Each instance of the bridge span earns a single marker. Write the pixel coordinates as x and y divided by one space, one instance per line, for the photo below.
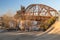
36 12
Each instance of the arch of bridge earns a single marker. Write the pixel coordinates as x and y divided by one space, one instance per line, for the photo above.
40 10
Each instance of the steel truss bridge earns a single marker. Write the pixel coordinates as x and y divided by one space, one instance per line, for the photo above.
37 12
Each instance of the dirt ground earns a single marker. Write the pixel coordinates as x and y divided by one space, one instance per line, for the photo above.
18 35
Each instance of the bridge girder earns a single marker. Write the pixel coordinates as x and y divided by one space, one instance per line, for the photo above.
40 10
37 12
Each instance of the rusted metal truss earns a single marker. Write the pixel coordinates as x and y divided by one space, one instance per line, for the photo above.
40 10
37 12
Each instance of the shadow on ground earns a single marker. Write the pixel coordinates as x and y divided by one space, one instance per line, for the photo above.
49 37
